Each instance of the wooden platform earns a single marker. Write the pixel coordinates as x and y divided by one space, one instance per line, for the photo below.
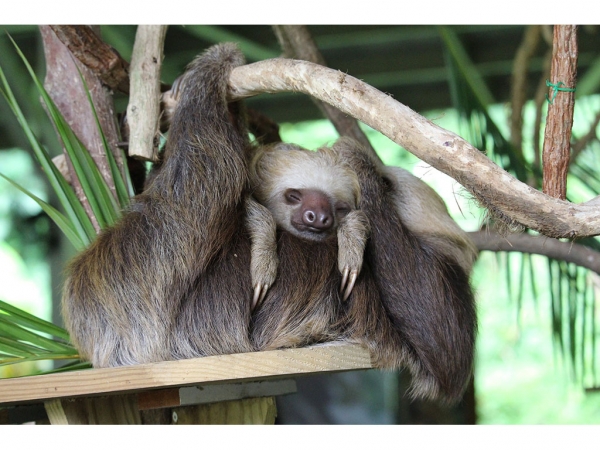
230 383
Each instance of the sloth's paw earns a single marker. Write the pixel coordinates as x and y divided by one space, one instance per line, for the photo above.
349 277
352 237
264 271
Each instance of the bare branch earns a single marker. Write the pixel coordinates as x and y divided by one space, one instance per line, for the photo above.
506 197
143 109
519 84
539 99
264 129
540 245
297 43
557 138
593 202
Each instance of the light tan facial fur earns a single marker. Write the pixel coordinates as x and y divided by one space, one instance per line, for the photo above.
278 168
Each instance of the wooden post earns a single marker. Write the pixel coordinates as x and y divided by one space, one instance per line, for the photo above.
250 411
112 410
557 137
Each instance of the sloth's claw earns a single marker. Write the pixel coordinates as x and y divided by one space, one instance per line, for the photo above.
256 297
348 281
352 234
260 291
344 278
264 293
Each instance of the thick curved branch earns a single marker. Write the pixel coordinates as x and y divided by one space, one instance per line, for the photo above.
539 245
297 42
505 196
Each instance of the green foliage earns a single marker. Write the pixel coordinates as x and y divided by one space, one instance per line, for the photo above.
472 99
24 337
21 334
521 376
571 294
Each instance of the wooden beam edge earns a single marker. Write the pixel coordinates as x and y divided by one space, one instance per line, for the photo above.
331 357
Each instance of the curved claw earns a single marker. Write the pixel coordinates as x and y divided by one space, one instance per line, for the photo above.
260 292
348 281
344 278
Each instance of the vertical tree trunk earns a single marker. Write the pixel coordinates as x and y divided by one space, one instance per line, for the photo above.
561 98
64 85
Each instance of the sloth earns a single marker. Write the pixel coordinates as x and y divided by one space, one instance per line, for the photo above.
234 247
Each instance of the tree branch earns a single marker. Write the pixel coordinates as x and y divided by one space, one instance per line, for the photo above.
505 196
296 42
519 84
539 99
539 245
264 129
143 109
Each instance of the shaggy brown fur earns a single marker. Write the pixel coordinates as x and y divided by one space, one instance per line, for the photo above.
172 279
335 246
411 305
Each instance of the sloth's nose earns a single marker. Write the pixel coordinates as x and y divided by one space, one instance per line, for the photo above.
315 211
317 218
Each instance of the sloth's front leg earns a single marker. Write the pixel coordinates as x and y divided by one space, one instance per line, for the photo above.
352 237
263 254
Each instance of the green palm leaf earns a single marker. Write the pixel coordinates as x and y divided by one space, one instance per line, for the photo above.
24 337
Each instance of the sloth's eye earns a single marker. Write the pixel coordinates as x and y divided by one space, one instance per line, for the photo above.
342 209
292 196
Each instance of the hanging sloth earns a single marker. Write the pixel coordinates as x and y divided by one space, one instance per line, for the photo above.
234 247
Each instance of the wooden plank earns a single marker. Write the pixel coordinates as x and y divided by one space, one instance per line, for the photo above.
224 368
199 395
213 393
159 398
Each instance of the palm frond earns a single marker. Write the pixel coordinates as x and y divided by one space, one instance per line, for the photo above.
24 337
66 196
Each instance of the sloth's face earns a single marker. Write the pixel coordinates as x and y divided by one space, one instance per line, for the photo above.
307 192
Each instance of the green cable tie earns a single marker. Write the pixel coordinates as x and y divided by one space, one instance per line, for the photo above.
557 87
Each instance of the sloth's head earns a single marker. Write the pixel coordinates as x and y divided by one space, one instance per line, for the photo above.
307 192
